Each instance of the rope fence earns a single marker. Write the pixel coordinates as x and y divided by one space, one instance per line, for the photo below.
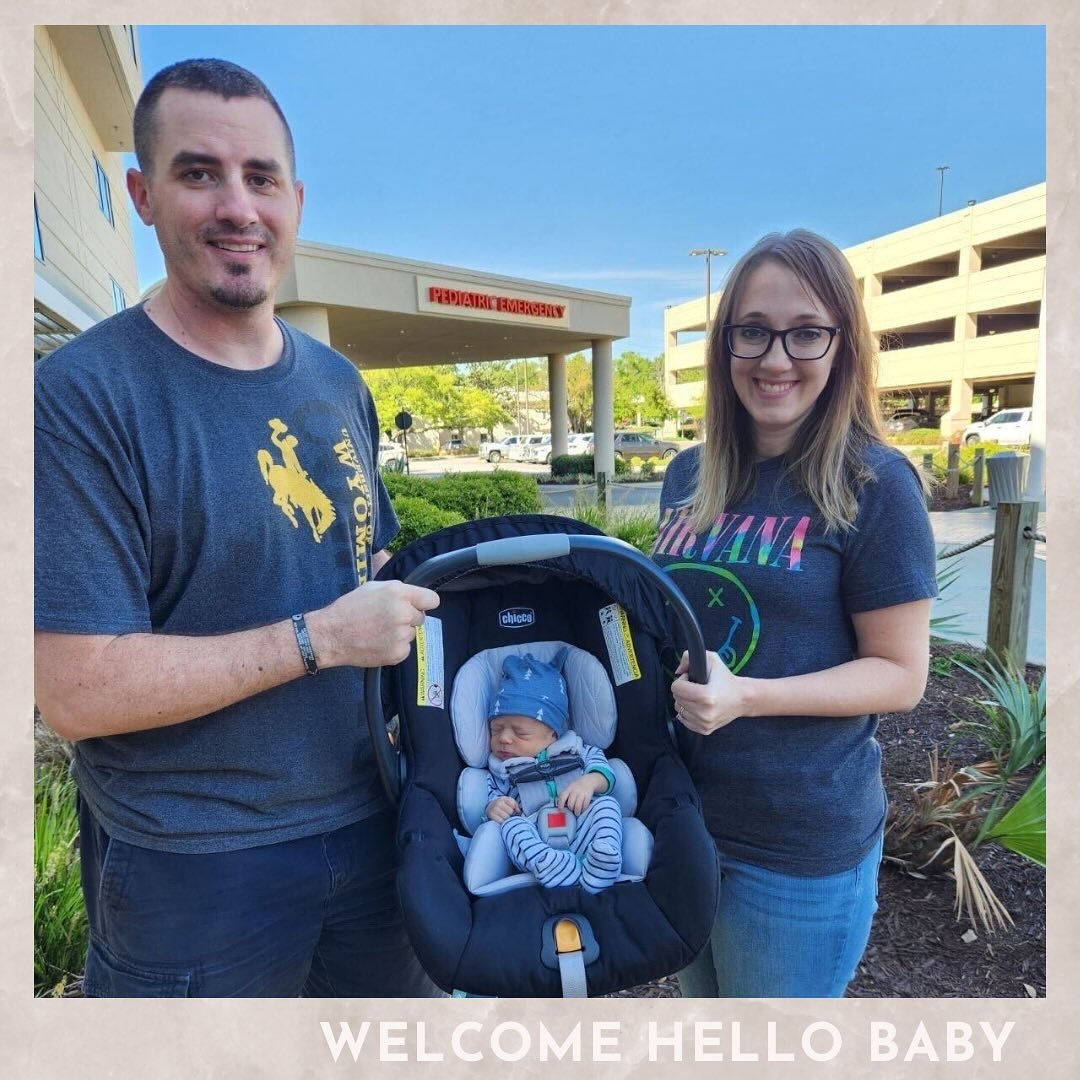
1029 534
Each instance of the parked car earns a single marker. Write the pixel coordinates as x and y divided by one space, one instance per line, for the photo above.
629 444
502 448
580 443
908 420
512 448
1011 427
539 452
529 447
391 455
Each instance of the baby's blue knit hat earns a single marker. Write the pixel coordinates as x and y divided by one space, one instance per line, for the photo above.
532 688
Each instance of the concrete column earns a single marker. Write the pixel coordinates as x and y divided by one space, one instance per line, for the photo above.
557 402
313 319
959 415
603 381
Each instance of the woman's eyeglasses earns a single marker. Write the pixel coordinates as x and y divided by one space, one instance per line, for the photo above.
749 342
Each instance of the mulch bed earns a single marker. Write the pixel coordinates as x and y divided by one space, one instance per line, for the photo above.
917 947
940 501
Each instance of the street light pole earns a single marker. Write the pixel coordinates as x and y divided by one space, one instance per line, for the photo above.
708 253
941 188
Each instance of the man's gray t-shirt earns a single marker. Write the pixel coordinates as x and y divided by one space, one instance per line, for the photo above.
775 593
178 496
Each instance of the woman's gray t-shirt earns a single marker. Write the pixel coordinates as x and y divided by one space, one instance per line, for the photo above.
775 593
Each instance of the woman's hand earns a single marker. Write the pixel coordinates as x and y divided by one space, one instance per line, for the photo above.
502 808
704 707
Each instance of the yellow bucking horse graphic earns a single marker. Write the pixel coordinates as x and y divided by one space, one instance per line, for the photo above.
292 487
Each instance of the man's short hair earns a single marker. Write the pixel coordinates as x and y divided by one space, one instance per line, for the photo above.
221 77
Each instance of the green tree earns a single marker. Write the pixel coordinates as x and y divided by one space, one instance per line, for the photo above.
437 397
579 392
639 390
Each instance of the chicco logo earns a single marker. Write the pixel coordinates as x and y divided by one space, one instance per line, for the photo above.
516 617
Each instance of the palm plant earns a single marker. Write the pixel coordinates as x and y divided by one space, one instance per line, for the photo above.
947 573
955 811
1014 724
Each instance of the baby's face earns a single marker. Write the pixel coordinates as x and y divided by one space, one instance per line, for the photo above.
519 736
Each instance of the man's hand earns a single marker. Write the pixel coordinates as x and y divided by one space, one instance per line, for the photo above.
372 626
579 794
502 808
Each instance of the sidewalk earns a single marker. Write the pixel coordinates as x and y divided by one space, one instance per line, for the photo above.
968 597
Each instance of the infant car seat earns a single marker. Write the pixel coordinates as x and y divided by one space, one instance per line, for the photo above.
517 583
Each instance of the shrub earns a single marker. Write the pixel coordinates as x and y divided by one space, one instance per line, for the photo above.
60 927
418 518
469 495
916 437
398 484
967 461
479 495
634 525
572 465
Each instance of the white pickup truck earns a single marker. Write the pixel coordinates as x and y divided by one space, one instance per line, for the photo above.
512 448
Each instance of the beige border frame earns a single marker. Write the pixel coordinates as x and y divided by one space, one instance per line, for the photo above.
91 1039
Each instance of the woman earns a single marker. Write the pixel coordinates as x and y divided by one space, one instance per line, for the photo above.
803 543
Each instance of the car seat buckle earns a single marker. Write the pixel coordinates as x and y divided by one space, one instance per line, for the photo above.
567 937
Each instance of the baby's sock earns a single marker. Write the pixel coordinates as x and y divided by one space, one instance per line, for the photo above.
603 861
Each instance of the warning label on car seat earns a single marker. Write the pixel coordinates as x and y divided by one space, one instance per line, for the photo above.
620 645
430 684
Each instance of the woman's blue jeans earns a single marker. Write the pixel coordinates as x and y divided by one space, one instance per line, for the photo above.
777 935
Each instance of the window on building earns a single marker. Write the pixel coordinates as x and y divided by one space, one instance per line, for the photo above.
934 332
1006 320
39 251
920 273
118 297
689 375
104 193
1010 249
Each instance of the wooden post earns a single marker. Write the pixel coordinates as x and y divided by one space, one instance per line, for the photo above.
601 490
928 467
1010 582
977 479
952 480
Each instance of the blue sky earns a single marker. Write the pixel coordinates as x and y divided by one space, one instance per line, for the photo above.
597 157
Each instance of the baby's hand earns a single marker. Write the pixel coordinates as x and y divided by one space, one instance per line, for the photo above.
502 808
578 795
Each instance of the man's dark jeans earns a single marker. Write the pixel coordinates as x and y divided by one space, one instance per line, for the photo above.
316 917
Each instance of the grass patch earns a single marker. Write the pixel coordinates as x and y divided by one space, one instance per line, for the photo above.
60 926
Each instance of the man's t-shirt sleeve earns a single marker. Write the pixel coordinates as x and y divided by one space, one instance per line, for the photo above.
91 562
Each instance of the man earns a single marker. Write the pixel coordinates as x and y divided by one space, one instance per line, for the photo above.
208 516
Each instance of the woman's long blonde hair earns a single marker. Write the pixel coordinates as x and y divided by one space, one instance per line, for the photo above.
826 455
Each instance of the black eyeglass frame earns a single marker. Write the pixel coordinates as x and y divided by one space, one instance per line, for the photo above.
833 331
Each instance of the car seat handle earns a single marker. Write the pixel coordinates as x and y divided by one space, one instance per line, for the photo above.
522 549
514 551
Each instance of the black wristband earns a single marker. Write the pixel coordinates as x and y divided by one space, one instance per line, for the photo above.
304 641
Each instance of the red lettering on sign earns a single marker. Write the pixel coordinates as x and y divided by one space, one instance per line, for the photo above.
488 302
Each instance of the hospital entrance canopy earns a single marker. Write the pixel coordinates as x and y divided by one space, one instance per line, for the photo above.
382 311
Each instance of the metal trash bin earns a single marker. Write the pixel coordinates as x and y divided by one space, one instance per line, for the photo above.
1008 474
